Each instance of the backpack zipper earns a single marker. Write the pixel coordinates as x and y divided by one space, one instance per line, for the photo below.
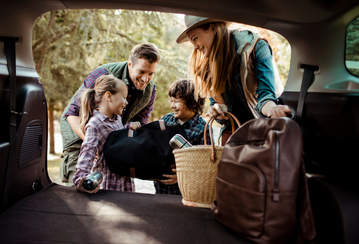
245 142
276 174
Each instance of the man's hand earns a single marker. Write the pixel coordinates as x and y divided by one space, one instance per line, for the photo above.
80 188
172 179
135 125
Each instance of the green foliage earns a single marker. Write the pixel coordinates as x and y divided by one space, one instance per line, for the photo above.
68 44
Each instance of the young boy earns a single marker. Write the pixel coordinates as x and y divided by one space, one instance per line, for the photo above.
186 111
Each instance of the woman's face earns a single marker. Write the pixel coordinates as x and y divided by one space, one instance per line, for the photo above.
202 39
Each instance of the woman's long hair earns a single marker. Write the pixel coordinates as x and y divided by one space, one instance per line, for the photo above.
91 98
211 74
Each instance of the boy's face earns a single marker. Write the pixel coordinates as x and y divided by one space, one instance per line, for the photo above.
180 110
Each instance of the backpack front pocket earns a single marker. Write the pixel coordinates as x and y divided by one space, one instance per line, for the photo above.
241 198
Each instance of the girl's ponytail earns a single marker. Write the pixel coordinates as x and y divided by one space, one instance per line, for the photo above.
86 108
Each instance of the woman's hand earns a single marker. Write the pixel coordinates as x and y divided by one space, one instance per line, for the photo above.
272 110
135 125
172 179
80 188
217 111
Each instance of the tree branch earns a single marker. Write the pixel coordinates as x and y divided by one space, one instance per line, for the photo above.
43 48
59 34
124 36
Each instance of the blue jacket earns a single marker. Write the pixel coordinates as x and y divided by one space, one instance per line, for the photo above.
264 78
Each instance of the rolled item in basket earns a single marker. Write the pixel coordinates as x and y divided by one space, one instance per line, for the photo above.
178 142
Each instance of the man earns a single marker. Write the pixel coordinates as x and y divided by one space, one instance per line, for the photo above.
137 73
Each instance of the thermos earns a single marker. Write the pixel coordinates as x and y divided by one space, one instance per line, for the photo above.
92 180
178 142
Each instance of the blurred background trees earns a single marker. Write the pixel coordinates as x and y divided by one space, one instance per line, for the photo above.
352 47
69 44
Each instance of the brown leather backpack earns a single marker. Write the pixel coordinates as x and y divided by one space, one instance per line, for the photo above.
262 191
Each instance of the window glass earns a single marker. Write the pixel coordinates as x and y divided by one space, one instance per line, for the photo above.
352 47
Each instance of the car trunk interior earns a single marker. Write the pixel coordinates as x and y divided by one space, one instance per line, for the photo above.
35 210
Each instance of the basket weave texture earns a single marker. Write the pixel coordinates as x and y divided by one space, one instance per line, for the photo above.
197 170
196 174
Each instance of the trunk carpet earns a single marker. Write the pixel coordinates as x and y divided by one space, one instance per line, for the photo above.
60 214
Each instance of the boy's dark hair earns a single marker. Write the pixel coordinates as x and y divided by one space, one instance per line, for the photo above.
184 89
148 51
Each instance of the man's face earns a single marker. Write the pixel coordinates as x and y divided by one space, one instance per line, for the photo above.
141 73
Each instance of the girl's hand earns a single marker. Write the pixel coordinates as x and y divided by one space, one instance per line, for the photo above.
218 109
135 125
172 179
80 188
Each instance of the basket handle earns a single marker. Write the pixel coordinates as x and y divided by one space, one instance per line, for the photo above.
210 122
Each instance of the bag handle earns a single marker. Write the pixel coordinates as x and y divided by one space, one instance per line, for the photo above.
160 122
210 122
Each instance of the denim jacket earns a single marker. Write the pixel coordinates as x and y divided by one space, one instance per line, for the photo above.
257 75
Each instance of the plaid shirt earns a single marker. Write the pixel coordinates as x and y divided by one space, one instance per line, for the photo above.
143 116
194 130
96 132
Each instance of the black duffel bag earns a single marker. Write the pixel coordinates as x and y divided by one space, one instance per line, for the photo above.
144 153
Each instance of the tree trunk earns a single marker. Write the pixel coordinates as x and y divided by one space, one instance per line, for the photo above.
51 127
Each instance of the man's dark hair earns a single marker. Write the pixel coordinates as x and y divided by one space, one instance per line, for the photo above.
146 51
184 89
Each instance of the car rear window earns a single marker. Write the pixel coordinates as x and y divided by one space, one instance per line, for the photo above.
352 47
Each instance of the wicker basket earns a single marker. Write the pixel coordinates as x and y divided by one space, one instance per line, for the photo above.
197 170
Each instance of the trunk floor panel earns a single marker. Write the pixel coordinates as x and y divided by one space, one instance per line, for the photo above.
60 214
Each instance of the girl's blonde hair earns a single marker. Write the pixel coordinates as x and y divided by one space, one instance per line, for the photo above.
91 98
211 74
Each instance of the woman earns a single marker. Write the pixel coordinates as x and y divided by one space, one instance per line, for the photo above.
235 68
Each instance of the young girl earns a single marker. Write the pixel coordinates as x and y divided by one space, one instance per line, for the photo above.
99 115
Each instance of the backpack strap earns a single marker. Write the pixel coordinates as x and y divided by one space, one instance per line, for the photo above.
306 218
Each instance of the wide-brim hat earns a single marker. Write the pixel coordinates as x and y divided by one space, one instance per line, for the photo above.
192 22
